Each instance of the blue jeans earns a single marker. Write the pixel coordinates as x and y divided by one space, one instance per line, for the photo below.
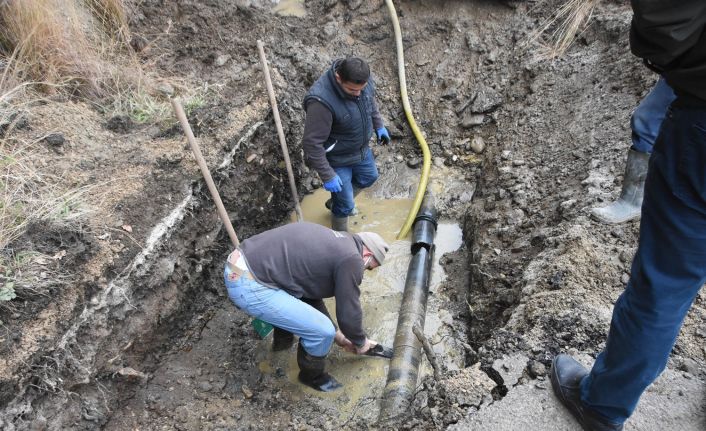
648 116
667 273
360 175
280 309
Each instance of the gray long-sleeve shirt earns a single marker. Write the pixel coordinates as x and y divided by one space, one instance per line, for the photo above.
316 130
308 260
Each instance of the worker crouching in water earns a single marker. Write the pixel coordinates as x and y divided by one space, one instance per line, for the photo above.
281 276
341 116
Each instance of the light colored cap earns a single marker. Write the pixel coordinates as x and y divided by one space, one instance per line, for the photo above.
376 244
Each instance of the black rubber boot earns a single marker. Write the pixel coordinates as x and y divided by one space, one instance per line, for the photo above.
566 375
312 374
339 223
281 339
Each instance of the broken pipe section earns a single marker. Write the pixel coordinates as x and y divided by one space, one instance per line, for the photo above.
404 366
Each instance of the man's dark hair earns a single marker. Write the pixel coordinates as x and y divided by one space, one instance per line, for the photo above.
354 69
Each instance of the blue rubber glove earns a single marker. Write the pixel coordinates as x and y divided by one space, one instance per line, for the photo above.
334 185
383 136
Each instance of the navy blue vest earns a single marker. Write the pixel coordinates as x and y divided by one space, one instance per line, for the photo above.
352 125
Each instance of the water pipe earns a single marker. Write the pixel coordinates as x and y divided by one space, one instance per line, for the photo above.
404 365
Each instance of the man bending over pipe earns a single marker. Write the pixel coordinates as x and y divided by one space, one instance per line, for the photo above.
341 115
281 276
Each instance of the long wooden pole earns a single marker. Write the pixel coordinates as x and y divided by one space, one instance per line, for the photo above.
280 132
204 170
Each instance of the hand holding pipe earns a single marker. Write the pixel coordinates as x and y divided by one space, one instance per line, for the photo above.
205 172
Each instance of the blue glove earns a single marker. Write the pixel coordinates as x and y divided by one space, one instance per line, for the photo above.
383 136
334 185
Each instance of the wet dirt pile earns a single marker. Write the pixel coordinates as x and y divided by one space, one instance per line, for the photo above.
522 147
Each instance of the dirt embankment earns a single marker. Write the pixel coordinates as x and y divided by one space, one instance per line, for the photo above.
144 337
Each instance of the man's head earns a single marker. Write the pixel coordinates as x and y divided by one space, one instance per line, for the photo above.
376 247
352 74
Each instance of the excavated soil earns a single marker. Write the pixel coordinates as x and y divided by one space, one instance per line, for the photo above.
143 337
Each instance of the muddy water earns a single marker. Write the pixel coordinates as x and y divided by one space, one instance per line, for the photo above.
381 294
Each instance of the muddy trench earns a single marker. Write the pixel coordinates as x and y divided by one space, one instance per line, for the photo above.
517 160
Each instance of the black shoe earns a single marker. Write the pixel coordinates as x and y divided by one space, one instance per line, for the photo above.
566 375
281 339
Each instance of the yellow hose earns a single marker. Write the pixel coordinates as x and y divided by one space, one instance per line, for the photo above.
412 124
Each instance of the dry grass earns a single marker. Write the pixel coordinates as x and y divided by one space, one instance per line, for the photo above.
570 20
66 43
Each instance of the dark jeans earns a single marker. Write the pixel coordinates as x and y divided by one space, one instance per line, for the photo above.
361 175
667 273
648 116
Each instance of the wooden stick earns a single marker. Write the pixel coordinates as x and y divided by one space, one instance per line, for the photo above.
204 170
429 351
280 132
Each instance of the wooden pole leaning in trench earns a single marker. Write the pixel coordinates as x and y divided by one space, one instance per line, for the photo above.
205 172
280 132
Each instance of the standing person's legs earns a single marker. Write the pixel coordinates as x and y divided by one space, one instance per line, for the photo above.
645 123
668 270
649 115
342 202
365 173
354 177
280 309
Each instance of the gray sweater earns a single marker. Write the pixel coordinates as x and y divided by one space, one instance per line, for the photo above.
311 261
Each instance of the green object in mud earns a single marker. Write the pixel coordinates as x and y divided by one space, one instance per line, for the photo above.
262 328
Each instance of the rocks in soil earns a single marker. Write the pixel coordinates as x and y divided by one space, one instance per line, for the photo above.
120 124
414 162
471 120
536 369
166 89
13 120
486 99
477 144
511 368
55 140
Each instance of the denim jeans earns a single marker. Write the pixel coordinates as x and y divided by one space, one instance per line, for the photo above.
667 272
360 175
648 116
280 309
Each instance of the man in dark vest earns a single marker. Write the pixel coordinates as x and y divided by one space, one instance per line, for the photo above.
341 115
669 267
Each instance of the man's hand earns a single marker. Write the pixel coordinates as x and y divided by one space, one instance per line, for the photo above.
369 344
343 342
383 136
334 185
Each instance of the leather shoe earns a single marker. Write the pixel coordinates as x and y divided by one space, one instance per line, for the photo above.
566 375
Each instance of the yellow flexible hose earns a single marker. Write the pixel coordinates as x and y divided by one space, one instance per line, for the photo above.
421 189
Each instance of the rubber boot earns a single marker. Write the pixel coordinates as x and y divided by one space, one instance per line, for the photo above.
629 204
339 223
281 339
356 192
312 374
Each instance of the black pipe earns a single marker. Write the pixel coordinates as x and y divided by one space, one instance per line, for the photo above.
404 365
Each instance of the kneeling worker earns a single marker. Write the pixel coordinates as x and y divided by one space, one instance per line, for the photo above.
281 277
